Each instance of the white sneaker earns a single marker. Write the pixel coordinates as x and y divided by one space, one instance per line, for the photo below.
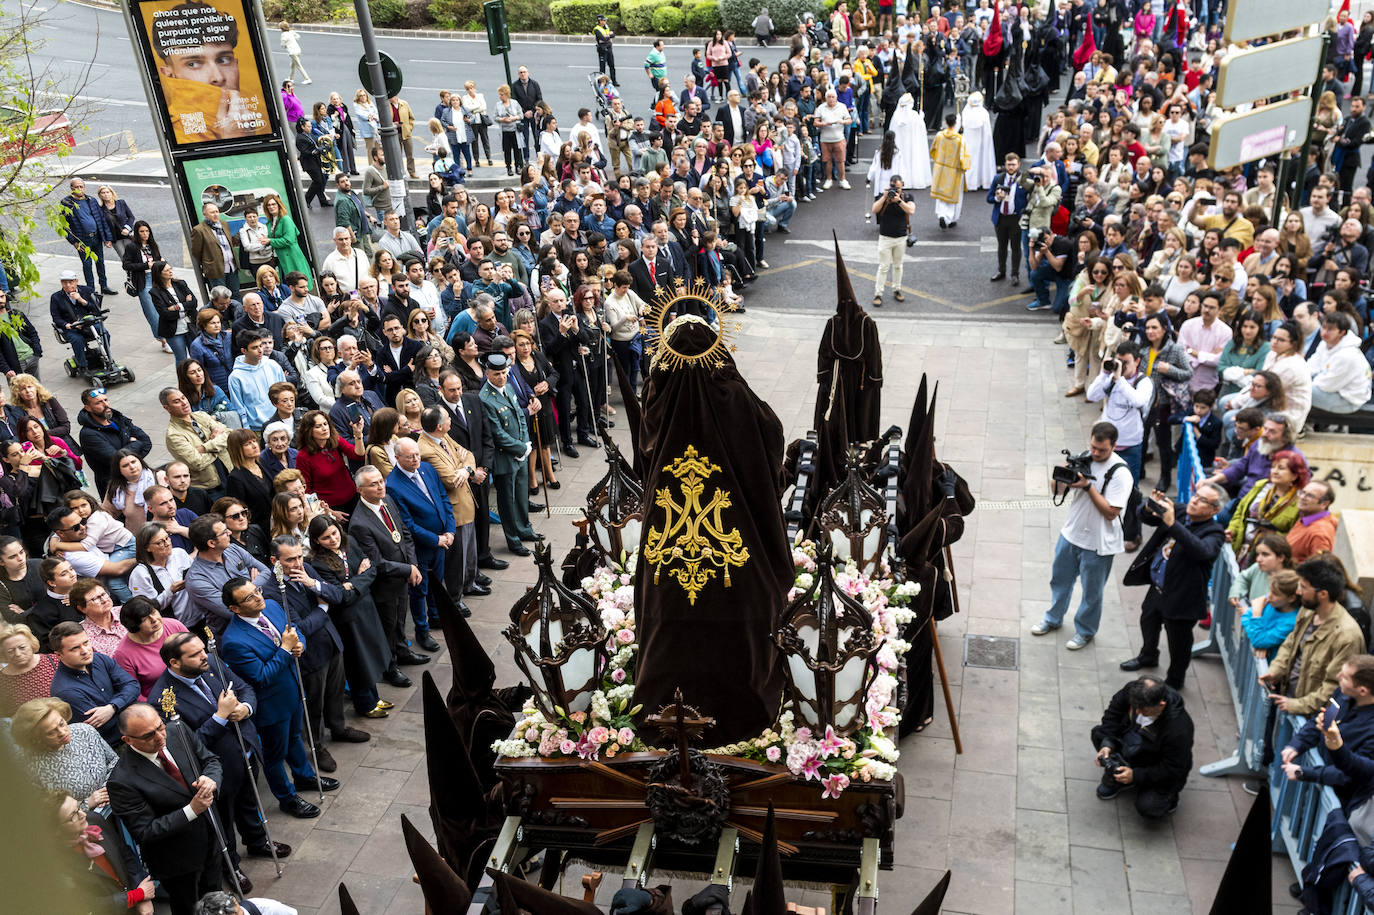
306 82
810 196
844 184
829 183
1077 642
763 264
1042 627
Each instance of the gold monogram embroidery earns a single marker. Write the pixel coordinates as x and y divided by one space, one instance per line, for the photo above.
693 544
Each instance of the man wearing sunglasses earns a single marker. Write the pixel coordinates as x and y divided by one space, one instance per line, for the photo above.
1176 564
89 561
104 430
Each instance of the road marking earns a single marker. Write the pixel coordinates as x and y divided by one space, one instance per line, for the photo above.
430 60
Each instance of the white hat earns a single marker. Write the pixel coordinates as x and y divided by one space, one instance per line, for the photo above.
67 275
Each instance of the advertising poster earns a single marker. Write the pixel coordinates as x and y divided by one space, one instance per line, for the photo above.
206 69
234 182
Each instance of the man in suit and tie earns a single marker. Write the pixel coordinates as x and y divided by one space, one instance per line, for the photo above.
378 526
162 789
396 358
428 514
468 427
354 403
296 586
212 701
260 645
1008 199
510 433
680 262
650 271
456 467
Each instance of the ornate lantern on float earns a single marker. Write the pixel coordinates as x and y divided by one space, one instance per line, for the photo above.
829 653
615 510
853 520
560 644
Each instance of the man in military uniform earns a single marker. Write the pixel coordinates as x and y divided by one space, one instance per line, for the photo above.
511 435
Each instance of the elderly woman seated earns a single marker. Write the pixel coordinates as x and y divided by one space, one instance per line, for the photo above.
61 756
108 875
28 670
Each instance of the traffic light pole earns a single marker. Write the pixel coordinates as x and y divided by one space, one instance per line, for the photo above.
390 130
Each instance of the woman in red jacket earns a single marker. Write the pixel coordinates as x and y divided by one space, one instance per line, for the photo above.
324 458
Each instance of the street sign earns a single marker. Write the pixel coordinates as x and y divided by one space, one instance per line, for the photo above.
1263 132
498 33
391 74
1273 69
1246 19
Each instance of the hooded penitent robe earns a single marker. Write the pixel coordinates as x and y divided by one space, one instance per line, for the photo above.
714 564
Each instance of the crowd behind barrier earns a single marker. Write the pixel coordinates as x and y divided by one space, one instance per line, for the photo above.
1300 807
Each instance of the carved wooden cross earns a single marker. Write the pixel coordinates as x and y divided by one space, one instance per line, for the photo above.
680 722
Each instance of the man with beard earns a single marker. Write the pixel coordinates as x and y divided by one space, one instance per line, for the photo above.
1239 475
1305 672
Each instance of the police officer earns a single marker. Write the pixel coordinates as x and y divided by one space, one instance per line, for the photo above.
605 54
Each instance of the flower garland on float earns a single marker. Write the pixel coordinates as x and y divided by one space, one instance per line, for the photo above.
835 762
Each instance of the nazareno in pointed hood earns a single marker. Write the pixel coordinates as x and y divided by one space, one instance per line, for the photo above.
445 892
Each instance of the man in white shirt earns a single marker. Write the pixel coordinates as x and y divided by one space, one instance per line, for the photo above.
301 304
1128 393
1317 217
425 295
396 241
1340 374
346 263
1090 537
585 126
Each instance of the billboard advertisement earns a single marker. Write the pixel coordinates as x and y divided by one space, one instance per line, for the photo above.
206 66
236 181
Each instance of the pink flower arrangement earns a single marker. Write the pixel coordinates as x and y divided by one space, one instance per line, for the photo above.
835 785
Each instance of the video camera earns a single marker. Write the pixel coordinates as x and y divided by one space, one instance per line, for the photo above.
1074 466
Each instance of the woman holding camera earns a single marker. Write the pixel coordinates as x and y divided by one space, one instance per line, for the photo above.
1086 321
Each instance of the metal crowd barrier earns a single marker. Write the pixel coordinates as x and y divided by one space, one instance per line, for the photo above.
1300 808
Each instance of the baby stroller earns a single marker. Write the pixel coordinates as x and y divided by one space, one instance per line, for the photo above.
101 369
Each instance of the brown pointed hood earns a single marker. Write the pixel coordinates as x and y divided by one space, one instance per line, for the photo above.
767 893
917 497
346 904
1247 884
934 899
849 363
460 810
445 892
516 895
633 417
477 711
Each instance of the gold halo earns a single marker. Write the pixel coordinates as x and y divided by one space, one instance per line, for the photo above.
666 309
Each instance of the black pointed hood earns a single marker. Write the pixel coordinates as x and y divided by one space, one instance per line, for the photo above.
1247 884
346 904
767 892
934 899
445 892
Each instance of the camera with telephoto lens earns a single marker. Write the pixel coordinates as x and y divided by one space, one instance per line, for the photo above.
1114 762
1074 466
1109 365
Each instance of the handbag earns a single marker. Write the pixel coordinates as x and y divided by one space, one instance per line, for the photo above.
130 289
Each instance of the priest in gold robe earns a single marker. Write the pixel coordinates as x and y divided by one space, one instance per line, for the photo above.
951 160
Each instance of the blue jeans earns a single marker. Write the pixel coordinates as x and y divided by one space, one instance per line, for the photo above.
780 214
1040 279
1073 563
464 150
93 263
181 347
145 301
1131 455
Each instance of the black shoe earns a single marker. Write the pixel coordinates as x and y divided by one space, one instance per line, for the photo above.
491 562
587 441
1015 281
108 292
245 885
534 538
943 224
998 278
299 807
536 507
554 485
534 490
1295 890
953 224
1163 485
408 658
1137 663
482 580
476 590
569 450
350 735
435 622
464 610
318 783
324 759
1106 793
396 678
426 641
519 549
263 851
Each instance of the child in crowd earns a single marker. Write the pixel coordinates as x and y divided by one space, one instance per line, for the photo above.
1208 426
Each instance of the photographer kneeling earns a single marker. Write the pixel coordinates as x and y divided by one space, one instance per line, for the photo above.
893 209
1145 742
1091 534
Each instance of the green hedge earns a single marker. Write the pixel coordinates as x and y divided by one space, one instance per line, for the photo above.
448 14
387 12
667 20
578 17
529 16
703 18
638 15
739 14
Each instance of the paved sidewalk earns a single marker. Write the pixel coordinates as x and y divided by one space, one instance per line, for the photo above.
1015 816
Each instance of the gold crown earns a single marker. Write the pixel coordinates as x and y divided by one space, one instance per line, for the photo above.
683 302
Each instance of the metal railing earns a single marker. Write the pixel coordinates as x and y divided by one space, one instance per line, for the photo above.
1300 808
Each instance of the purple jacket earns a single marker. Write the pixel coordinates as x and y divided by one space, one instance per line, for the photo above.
294 111
1251 466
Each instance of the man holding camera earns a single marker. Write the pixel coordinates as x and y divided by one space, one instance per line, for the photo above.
1091 534
1176 564
1128 393
1145 741
893 209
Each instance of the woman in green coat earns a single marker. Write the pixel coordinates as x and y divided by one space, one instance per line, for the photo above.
1270 505
284 238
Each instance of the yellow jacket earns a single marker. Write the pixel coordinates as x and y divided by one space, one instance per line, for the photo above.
199 452
447 459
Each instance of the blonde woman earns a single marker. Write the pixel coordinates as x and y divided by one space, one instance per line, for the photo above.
1086 321
1126 289
365 116
439 147
479 120
508 115
29 398
1166 259
1327 123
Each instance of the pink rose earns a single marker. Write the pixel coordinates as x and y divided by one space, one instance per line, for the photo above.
567 747
626 736
625 636
618 675
773 754
599 735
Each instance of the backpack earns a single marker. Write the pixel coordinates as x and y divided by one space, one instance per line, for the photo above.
1130 515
